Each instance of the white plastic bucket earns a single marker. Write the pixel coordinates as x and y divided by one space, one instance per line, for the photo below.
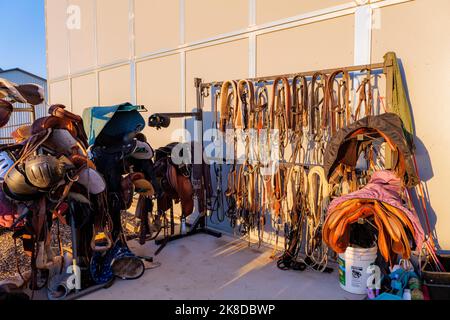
353 266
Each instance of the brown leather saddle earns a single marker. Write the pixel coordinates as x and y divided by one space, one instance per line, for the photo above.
174 180
6 109
61 119
175 185
25 93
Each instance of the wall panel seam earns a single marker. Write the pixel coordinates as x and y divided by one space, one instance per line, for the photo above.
183 90
307 18
69 60
132 51
182 21
46 51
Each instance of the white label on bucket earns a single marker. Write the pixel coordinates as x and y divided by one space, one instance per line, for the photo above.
357 273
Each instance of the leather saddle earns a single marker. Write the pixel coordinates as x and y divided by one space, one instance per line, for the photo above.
61 119
6 109
174 180
166 152
25 93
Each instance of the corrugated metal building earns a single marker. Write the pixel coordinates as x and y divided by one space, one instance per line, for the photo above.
18 119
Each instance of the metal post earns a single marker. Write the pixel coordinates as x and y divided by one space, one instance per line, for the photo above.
388 70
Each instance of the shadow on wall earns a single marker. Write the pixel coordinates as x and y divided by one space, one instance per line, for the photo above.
424 166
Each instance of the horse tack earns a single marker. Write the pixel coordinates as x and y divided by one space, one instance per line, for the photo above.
365 97
338 107
52 170
318 201
32 94
280 109
174 184
263 182
229 112
280 121
6 109
246 177
317 107
59 111
246 109
299 111
304 110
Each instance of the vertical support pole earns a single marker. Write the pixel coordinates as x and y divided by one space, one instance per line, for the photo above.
363 34
198 155
389 72
33 114
252 39
390 156
132 51
182 40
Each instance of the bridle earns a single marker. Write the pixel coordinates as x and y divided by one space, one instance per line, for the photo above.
338 114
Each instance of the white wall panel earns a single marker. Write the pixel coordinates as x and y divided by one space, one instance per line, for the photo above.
82 41
112 31
60 93
206 18
156 25
114 86
57 40
159 89
84 92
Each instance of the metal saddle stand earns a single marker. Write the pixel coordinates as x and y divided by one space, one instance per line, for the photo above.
200 225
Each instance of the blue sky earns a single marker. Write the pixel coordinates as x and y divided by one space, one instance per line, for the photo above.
23 35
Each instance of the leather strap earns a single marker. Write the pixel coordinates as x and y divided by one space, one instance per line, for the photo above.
317 105
365 96
338 104
318 200
245 115
280 107
299 102
229 103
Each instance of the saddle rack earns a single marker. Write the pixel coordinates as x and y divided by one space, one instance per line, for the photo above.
200 225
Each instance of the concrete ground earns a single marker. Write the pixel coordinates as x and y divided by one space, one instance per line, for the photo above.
203 267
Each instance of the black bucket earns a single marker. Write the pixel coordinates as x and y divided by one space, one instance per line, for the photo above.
438 283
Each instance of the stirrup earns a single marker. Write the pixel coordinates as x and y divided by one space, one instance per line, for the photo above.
101 242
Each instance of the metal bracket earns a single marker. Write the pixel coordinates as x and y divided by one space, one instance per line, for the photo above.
198 115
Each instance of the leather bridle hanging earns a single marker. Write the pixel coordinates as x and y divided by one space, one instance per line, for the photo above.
280 109
228 111
338 107
306 111
229 102
318 200
318 111
246 178
317 106
365 96
299 118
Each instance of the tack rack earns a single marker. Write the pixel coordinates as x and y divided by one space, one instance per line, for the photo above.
200 226
202 91
205 89
386 67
